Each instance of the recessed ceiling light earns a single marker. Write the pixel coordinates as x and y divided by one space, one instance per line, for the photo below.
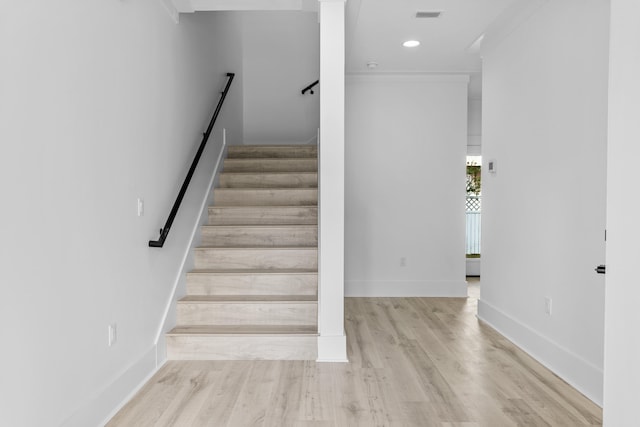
411 43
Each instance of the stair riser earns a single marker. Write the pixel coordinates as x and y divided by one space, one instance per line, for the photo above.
265 197
252 284
270 165
247 236
249 313
242 348
290 151
235 180
214 258
263 215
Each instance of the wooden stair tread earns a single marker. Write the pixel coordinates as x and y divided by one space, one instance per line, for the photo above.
283 207
263 179
305 157
274 160
245 330
260 226
265 196
270 159
268 146
267 190
268 248
272 151
263 189
256 258
252 214
241 299
255 246
284 248
263 173
299 164
255 271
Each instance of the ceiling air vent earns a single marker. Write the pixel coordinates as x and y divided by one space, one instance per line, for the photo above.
432 14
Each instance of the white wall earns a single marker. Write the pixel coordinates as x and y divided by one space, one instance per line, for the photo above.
474 115
543 219
101 103
281 57
622 345
406 140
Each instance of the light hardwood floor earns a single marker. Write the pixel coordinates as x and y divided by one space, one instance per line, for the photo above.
413 362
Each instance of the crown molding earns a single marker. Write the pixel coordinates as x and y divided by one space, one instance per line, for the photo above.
191 6
409 77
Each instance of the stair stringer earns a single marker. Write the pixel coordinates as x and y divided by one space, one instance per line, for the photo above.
186 264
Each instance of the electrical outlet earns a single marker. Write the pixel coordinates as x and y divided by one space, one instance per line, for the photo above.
403 262
140 206
547 306
113 334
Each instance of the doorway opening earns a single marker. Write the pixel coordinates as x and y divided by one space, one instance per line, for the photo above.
473 212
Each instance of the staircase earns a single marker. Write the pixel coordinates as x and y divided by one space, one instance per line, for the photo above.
254 291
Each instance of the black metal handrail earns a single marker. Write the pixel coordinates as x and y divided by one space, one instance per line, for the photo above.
310 87
164 232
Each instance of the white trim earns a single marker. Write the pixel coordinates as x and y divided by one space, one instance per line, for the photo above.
100 408
172 10
406 288
579 373
248 5
183 264
408 77
332 349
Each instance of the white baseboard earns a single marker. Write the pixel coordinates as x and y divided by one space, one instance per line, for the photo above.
98 410
405 288
332 348
579 373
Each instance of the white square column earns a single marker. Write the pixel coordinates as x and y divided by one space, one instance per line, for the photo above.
332 341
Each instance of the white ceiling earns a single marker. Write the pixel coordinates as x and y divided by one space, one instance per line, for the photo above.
377 28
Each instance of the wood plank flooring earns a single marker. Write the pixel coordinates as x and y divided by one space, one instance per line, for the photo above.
413 362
